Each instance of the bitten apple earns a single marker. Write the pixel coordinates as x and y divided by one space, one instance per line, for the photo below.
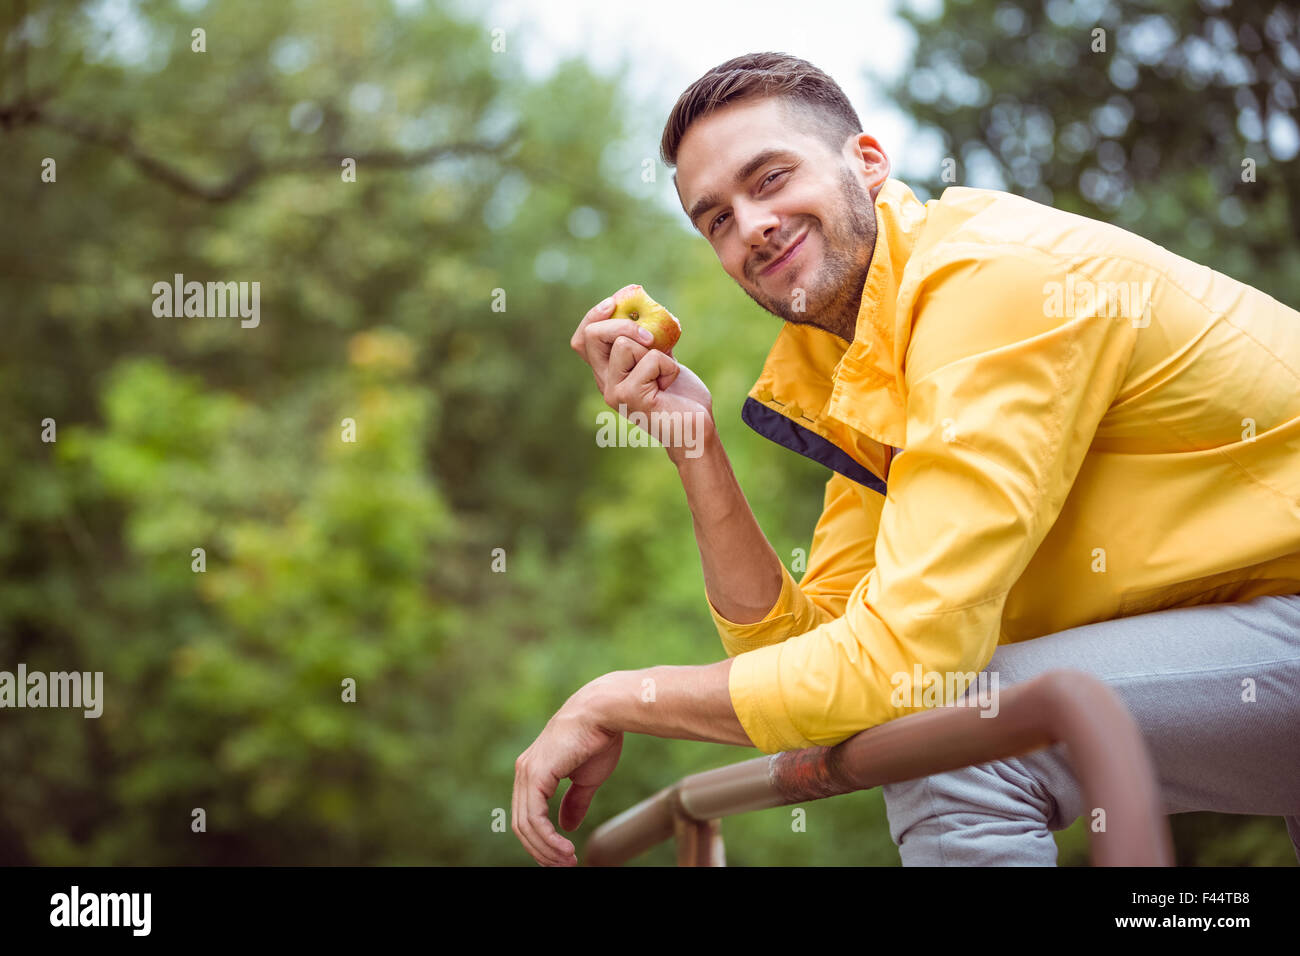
634 304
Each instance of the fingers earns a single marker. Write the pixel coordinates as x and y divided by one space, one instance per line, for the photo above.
596 333
598 342
602 310
519 816
559 850
666 379
644 377
634 373
623 357
596 314
531 822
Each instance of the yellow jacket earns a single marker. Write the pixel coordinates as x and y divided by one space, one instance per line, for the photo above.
1043 421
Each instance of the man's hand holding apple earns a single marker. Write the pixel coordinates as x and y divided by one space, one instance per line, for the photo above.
634 376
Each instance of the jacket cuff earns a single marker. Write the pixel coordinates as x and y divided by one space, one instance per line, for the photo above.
774 627
755 688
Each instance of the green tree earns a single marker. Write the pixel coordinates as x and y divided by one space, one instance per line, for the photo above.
431 302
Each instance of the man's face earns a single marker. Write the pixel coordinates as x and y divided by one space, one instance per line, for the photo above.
757 185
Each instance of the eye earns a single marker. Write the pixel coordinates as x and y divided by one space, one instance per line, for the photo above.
780 172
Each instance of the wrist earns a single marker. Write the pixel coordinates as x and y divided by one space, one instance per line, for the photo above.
598 700
698 442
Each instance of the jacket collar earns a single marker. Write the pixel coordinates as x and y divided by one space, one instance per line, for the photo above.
843 404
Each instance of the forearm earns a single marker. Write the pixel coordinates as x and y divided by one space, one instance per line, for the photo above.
678 702
742 573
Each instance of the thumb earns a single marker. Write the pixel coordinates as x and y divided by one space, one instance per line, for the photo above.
574 806
586 781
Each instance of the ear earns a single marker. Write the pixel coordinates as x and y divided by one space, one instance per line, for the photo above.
867 156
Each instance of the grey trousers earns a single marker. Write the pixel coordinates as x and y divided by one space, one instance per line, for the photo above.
1183 674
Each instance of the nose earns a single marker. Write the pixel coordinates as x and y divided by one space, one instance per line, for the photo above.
756 223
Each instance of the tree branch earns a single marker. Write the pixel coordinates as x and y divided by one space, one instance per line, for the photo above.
28 113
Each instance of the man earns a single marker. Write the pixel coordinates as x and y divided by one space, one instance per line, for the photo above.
1052 443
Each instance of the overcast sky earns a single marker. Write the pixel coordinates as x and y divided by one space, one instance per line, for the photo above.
667 44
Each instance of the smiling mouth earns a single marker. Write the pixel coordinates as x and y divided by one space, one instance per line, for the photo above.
785 257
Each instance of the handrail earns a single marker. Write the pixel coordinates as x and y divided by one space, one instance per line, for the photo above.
1103 745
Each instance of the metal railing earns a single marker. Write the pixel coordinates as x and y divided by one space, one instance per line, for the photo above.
1103 745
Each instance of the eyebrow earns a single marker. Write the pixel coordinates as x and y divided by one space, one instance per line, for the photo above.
705 203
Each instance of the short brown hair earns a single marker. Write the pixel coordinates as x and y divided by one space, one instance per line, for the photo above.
829 113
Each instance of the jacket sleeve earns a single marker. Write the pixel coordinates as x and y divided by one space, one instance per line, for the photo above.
1002 403
842 552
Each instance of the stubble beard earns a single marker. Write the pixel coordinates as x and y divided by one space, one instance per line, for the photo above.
832 300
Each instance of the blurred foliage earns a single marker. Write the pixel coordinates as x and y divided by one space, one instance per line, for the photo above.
328 559
1175 119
